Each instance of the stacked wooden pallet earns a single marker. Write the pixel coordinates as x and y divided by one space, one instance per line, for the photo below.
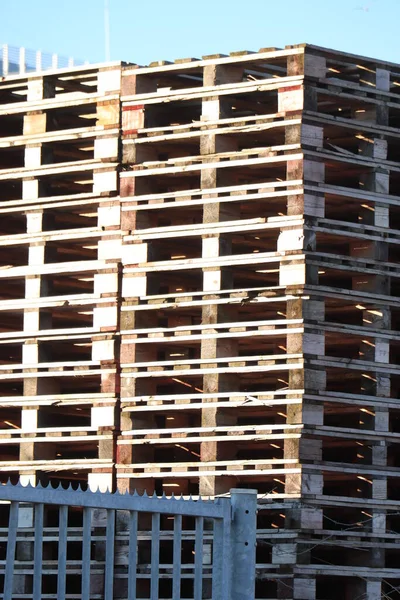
58 172
204 295
259 313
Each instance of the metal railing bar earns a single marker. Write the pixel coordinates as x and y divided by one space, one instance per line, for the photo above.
198 559
62 552
109 574
133 541
11 545
226 554
177 558
221 553
38 552
217 558
104 500
155 556
86 545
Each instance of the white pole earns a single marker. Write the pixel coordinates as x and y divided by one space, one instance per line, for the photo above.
22 61
107 30
39 60
5 59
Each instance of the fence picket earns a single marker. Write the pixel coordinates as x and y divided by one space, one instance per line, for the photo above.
133 541
109 575
62 552
177 558
155 556
86 547
11 545
38 552
198 559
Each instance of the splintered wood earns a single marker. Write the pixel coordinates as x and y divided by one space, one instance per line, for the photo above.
200 290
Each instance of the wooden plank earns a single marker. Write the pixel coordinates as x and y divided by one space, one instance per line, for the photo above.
206 473
250 153
64 268
237 259
16 108
189 94
269 358
261 56
214 326
78 166
258 122
242 438
267 463
63 135
231 164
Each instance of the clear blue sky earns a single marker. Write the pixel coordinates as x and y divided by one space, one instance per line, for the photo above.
143 31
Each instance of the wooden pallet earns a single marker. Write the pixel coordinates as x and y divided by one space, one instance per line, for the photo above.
199 275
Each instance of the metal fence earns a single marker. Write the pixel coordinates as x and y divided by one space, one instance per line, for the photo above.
58 543
14 60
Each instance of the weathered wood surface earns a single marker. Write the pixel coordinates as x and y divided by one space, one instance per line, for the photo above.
200 289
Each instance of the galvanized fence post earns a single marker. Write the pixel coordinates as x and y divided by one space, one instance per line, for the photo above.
243 543
222 552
